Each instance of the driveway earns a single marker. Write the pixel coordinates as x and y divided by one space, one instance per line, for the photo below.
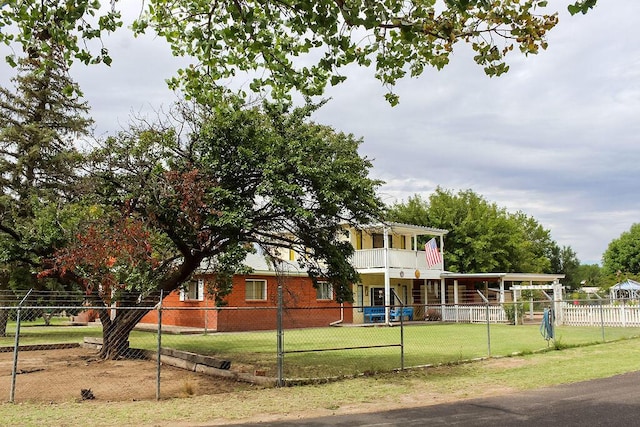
611 401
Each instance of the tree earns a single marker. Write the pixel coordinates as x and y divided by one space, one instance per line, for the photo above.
589 275
565 261
169 203
623 254
227 37
482 236
40 120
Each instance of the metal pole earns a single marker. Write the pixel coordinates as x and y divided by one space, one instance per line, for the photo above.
486 303
601 315
280 337
16 347
401 336
159 349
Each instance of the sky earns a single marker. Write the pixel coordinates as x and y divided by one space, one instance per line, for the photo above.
557 137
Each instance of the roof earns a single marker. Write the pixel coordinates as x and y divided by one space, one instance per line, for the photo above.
507 277
400 228
627 285
259 264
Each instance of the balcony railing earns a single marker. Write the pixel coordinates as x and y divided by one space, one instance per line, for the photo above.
398 258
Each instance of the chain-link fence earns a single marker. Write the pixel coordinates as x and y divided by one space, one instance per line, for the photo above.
57 347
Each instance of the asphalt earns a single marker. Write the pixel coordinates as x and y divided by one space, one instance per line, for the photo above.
607 402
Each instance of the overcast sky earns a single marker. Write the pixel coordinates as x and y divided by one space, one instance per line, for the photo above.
558 137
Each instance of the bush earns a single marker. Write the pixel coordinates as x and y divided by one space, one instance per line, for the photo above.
513 311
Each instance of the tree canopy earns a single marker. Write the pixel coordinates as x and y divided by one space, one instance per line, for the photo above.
623 254
168 203
484 237
299 45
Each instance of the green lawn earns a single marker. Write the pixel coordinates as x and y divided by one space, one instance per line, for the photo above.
427 344
365 393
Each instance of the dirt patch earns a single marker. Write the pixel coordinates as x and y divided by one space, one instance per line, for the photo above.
507 362
61 375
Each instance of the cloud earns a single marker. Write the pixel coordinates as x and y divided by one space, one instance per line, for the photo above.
557 137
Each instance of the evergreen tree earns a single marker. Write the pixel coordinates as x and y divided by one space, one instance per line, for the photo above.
41 119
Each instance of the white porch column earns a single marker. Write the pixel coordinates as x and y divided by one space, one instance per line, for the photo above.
425 287
443 291
387 275
455 291
501 290
455 297
442 251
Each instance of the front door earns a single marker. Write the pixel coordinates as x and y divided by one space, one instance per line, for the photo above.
377 296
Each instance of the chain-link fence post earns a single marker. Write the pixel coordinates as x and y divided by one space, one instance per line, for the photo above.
401 336
601 316
16 348
159 349
486 304
280 337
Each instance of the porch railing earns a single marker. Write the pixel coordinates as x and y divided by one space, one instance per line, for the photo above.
398 258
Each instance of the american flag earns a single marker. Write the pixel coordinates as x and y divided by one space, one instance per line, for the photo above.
433 254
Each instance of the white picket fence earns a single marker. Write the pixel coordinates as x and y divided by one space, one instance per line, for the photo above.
621 314
473 314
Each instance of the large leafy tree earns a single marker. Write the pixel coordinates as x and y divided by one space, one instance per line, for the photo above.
41 118
623 254
226 37
241 177
482 236
564 260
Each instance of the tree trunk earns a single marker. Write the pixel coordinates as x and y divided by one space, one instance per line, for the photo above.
115 332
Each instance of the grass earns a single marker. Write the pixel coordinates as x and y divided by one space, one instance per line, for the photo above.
425 344
386 391
430 344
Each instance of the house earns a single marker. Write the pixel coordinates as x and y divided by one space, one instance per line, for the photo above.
252 304
395 271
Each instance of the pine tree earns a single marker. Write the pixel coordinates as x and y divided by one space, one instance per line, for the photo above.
41 120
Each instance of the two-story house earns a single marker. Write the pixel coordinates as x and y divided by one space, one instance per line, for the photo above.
393 269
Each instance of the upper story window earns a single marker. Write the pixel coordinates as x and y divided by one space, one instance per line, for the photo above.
324 291
193 290
378 240
255 290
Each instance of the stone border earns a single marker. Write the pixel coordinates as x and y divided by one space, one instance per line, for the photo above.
194 362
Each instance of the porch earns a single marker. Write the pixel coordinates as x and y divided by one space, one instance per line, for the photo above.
364 259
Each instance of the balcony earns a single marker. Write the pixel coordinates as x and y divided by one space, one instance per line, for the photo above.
398 258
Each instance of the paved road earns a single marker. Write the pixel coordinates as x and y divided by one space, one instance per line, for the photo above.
604 402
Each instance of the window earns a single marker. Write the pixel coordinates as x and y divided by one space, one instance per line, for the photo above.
324 291
255 290
378 241
192 291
